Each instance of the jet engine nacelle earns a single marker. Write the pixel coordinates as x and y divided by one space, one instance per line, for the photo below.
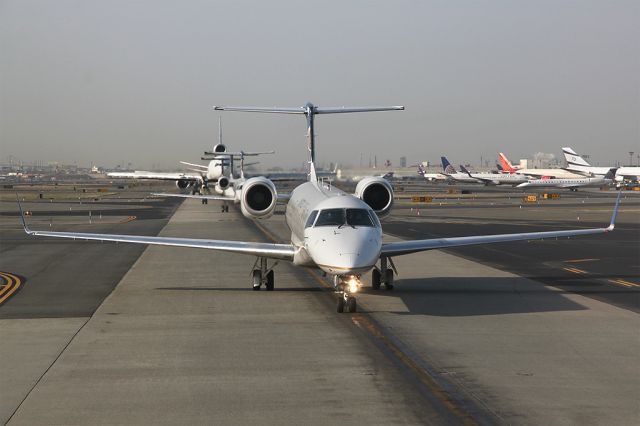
223 183
219 148
377 193
259 197
184 183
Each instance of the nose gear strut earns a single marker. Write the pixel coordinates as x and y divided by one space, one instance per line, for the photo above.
346 287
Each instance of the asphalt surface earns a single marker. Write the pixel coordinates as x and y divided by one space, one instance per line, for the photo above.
604 267
457 342
61 278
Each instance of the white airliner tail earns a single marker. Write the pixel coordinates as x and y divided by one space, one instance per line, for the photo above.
573 159
309 110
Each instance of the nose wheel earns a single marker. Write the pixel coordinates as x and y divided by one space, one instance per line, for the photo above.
346 287
346 303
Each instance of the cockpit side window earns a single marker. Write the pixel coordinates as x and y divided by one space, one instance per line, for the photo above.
330 217
359 217
311 219
374 218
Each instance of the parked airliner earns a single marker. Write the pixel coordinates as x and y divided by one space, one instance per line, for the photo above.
331 230
538 173
578 164
571 184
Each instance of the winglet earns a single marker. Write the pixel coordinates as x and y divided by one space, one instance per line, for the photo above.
615 213
24 223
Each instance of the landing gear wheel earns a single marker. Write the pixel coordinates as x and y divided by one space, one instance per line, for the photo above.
270 281
388 279
340 306
375 279
351 304
256 279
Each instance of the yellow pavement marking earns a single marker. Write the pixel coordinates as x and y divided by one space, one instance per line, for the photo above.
13 284
580 260
624 283
129 219
364 322
575 270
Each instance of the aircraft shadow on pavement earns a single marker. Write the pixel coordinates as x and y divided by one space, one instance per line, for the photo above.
242 289
472 296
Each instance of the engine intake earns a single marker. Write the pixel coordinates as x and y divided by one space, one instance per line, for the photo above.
377 193
183 183
219 148
259 197
223 182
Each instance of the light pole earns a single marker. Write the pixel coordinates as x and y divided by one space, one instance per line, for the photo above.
631 158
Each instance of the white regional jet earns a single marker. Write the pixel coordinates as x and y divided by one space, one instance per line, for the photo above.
571 184
331 230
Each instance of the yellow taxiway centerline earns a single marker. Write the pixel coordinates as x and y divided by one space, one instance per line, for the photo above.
12 285
363 322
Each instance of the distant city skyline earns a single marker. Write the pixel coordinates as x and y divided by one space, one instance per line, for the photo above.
119 81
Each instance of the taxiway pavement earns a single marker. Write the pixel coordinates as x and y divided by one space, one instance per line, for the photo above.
183 340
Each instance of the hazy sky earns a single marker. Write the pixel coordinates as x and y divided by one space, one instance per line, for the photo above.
107 81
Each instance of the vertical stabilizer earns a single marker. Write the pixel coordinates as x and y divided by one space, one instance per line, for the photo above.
309 110
573 159
506 164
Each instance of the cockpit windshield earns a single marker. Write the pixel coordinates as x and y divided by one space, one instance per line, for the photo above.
330 217
342 217
359 217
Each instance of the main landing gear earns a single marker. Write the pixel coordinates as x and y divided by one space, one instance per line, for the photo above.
225 207
383 275
261 274
346 287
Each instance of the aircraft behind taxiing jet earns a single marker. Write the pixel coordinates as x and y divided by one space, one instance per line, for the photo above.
571 184
219 171
331 230
578 164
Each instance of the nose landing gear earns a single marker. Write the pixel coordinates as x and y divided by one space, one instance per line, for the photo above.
262 274
346 287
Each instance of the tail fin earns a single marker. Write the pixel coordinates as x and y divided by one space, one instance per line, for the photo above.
573 159
309 110
464 170
611 174
421 170
446 166
506 164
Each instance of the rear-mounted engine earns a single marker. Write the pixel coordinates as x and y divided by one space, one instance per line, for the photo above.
259 197
377 193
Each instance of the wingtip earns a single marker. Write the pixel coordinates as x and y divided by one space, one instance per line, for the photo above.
614 215
24 222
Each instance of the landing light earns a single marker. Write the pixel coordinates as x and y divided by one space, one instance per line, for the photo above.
354 285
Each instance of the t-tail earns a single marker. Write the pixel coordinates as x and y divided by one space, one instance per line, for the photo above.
310 111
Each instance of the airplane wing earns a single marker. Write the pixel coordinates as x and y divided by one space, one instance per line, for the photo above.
273 251
155 176
407 247
197 197
281 197
195 165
